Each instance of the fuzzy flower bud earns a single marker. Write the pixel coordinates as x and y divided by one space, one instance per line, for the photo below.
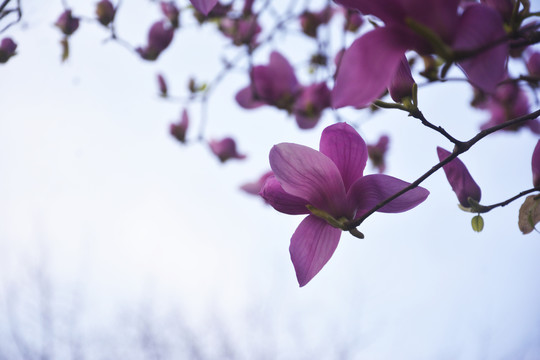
402 83
171 12
536 165
67 23
179 129
533 65
225 149
7 49
105 12
159 38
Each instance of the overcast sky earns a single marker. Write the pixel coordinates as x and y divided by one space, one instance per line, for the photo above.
91 180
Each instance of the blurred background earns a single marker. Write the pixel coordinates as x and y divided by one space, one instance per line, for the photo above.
117 241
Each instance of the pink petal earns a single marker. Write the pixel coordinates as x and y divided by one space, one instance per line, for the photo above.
480 25
255 187
346 148
312 245
311 175
283 202
245 99
460 179
204 6
536 165
368 67
372 189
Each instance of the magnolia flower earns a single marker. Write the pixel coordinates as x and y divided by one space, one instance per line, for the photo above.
377 153
273 84
204 6
330 187
508 102
225 149
536 165
242 31
7 49
67 23
105 12
309 106
460 179
371 62
179 129
159 38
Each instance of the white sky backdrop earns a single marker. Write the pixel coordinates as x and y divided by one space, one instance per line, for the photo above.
90 177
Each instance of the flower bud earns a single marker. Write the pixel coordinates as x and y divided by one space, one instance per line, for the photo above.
536 165
7 49
159 38
377 153
402 83
162 85
353 20
171 12
225 149
179 130
67 23
105 12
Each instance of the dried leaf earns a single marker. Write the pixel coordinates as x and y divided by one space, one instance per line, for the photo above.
529 214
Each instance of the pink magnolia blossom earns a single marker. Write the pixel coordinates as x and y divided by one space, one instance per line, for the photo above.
254 188
7 49
273 84
105 12
179 129
309 106
67 23
460 179
225 149
508 102
242 31
377 153
371 62
332 182
159 38
536 165
204 6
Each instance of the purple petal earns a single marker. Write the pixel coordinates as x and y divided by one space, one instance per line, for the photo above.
460 179
536 165
283 202
480 25
204 6
245 99
312 245
372 189
368 67
346 148
311 175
